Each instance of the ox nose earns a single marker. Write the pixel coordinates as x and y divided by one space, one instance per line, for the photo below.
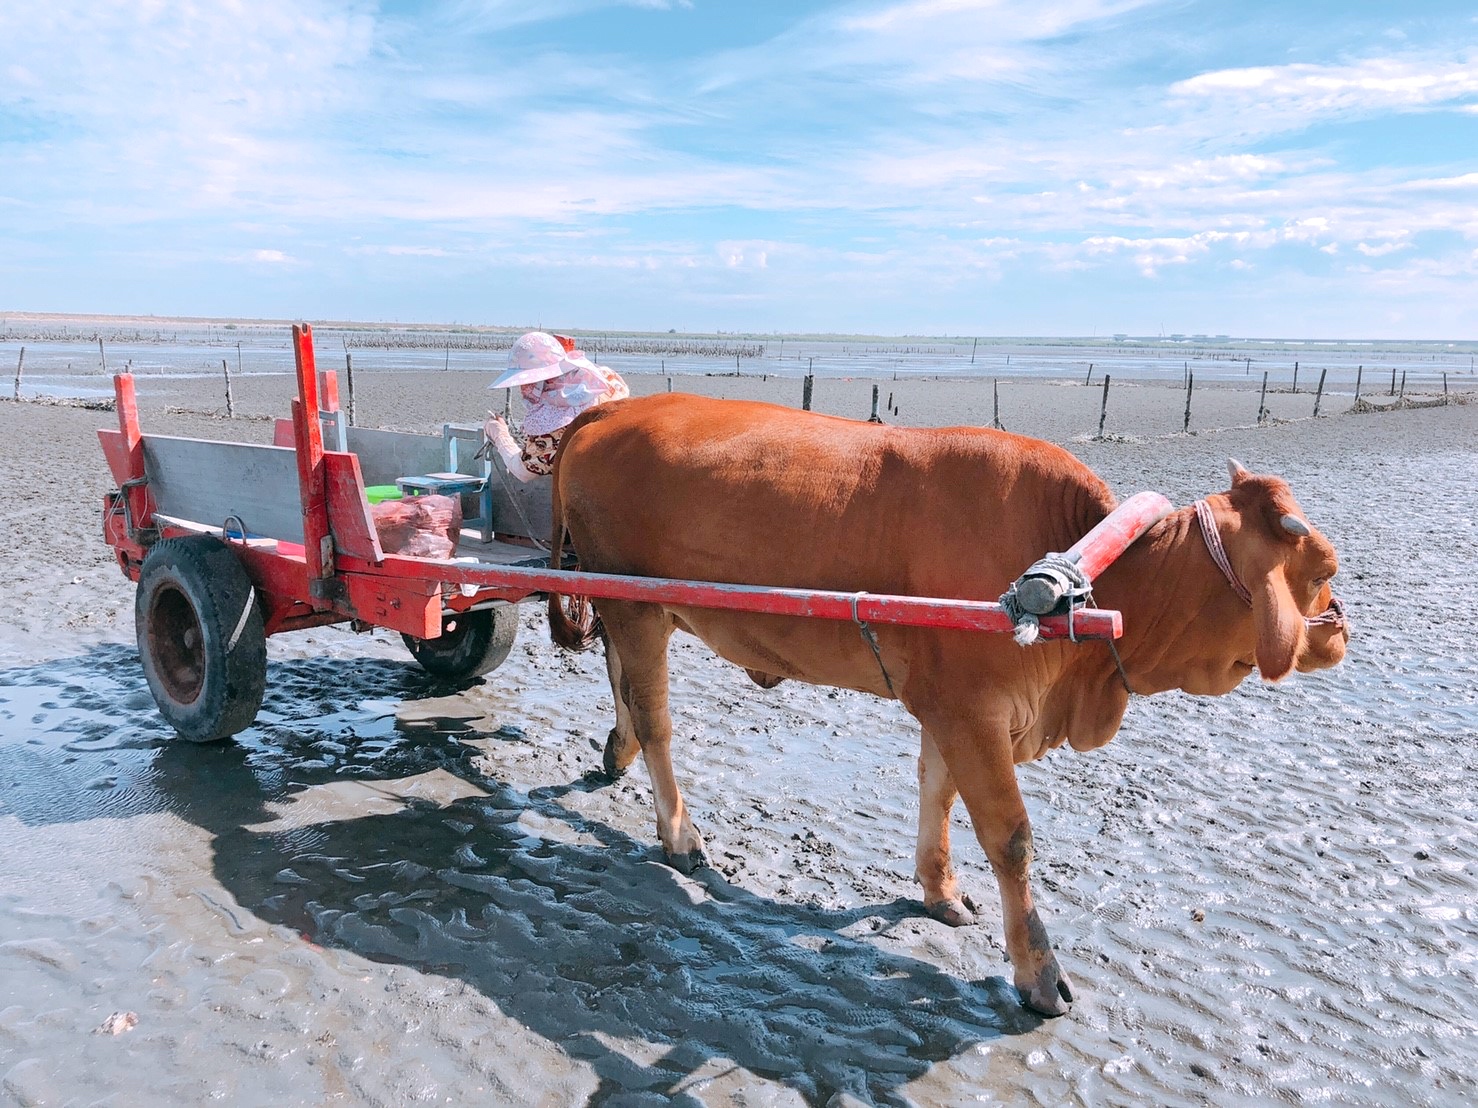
1333 616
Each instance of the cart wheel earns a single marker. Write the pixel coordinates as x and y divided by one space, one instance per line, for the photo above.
200 638
471 643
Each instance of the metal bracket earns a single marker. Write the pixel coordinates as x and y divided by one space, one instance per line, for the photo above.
331 590
143 536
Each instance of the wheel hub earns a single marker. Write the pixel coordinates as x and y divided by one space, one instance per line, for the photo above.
176 642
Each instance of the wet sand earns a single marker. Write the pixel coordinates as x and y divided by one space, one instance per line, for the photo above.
389 892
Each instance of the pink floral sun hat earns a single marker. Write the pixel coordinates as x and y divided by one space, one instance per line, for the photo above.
535 356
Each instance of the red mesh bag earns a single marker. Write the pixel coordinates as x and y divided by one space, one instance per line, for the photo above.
419 526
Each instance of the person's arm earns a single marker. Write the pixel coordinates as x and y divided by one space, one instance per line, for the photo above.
497 433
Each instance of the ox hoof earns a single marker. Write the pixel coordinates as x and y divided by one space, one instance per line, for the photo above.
611 761
762 679
1052 995
689 861
957 911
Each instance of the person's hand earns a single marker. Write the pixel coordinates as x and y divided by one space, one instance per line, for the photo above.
495 430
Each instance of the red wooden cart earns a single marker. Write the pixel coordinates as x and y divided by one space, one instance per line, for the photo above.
232 542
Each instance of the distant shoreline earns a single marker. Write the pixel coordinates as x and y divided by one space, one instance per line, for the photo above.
16 325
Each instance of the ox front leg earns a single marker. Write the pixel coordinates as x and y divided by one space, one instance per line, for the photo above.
932 867
639 633
985 774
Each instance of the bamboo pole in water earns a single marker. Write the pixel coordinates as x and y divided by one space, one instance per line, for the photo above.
349 383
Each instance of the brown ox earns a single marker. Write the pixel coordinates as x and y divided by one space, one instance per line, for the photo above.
686 487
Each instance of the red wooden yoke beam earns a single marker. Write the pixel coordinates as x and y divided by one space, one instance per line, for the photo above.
517 582
1067 578
1098 549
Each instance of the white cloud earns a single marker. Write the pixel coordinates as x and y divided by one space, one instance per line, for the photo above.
266 257
1380 249
1461 181
495 15
921 43
1011 20
1211 171
1374 84
1150 254
745 255
401 251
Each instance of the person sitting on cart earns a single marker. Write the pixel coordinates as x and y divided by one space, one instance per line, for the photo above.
557 383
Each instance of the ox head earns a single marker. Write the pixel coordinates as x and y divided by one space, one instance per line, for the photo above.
1287 567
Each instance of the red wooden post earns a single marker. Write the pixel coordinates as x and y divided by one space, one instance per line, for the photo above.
328 390
124 448
126 401
124 451
318 547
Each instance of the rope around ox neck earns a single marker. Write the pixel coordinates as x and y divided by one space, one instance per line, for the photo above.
1218 552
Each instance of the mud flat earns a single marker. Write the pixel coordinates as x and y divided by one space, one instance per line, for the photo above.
388 892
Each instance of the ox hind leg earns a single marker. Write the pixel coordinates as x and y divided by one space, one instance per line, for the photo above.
932 867
639 634
622 746
978 756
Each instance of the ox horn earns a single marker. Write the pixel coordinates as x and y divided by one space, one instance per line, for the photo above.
1295 526
1236 470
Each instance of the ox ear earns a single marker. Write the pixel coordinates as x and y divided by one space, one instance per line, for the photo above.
1279 624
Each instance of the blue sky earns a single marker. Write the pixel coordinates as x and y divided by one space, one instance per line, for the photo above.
1002 167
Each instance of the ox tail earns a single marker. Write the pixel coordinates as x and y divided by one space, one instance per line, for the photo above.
573 622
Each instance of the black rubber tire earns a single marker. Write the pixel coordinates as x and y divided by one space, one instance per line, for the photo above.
201 638
471 643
